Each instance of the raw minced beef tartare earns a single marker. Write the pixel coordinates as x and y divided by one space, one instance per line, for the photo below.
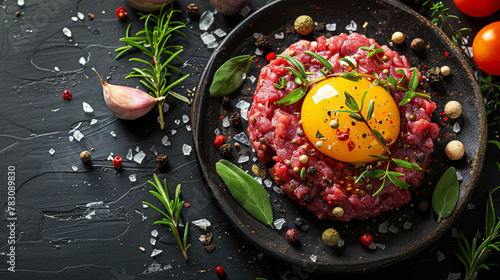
274 132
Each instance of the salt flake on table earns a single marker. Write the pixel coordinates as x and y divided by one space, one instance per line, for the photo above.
188 127
341 243
186 149
110 157
139 157
71 138
279 36
153 150
245 11
278 223
206 20
154 233
55 110
156 252
52 151
225 122
243 159
331 26
407 225
454 276
254 159
74 167
202 238
78 135
129 155
177 122
278 190
440 256
112 133
152 241
185 118
74 18
470 206
382 228
352 26
202 223
80 15
252 79
173 132
456 127
242 138
166 107
87 108
219 32
242 104
381 246
393 229
258 51
372 246
313 258
268 183
93 121
56 69
132 177
67 32
212 45
20 3
137 149
459 176
165 141
82 61
259 180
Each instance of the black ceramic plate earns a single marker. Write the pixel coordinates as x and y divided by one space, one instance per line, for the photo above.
382 18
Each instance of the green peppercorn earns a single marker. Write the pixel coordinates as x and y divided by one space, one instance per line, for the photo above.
330 237
385 71
300 133
296 169
413 117
338 212
294 141
303 159
369 187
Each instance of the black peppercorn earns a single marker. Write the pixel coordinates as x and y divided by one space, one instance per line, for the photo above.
311 170
417 44
193 10
305 198
235 120
420 157
263 42
434 75
226 101
226 150
161 161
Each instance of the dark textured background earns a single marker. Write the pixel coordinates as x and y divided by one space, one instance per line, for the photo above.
54 239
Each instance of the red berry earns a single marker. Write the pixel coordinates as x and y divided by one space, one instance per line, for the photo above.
366 239
117 162
121 13
66 94
219 140
271 56
220 271
292 235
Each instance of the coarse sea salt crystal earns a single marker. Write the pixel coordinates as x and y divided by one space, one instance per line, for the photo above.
212 45
55 110
110 157
152 241
52 151
202 223
258 179
156 252
78 135
278 190
217 132
225 122
74 167
243 159
137 149
407 225
258 52
470 206
67 32
74 18
56 69
71 138
245 11
186 149
393 229
372 246
219 32
154 233
279 36
93 121
112 133
381 246
352 26
278 223
456 127
242 138
87 108
454 276
165 141
188 127
252 79
440 256
139 157
313 258
341 243
254 159
82 61
153 150
268 183
185 118
129 156
206 20
132 177
331 26
202 238
20 3
177 122
173 132
80 15
382 228
459 176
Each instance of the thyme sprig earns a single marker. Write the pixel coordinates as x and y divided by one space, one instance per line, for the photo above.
174 207
493 105
373 51
152 41
474 254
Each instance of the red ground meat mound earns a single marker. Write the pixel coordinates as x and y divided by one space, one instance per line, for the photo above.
329 183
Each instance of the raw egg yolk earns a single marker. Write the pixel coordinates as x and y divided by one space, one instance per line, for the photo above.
338 135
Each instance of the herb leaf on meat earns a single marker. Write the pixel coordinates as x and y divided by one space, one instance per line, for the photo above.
247 191
445 195
229 76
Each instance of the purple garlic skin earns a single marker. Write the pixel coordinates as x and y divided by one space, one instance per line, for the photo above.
229 7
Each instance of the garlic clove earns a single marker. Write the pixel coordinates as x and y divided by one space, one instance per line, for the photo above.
127 103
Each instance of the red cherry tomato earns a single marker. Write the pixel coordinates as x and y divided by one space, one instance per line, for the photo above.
476 8
486 47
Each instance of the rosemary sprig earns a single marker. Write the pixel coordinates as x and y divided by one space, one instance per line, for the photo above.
174 207
474 256
493 105
373 51
152 41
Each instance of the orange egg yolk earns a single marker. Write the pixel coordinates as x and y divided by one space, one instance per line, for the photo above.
352 140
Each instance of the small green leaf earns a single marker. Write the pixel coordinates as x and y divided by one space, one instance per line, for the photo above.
496 142
408 97
361 176
404 163
392 81
303 173
356 117
379 156
403 78
413 84
375 173
445 195
351 76
292 97
398 182
229 76
296 63
370 110
348 61
363 100
247 191
350 102
322 60
379 137
341 111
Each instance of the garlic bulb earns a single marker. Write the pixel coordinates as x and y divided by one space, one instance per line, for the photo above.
126 102
229 7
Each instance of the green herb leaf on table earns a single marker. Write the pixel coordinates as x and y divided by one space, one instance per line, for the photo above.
247 191
229 76
174 207
445 195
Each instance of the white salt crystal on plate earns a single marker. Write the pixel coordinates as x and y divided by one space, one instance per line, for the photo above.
268 183
372 246
252 79
139 157
87 108
78 135
202 223
243 159
279 36
254 159
55 110
470 206
352 26
331 26
71 138
217 132
177 122
186 149
440 256
242 138
173 132
381 246
165 141
82 61
67 32
80 15
225 122
258 52
407 225
244 76
156 252
454 276
456 127
382 228
278 223
132 177
52 151
112 133
93 121
144 206
188 127
20 3
153 150
242 104
154 233
245 11
219 32
257 35
313 258
137 149
152 241
74 167
278 190
212 45
110 157
129 155
206 20
185 118
393 229
202 238
74 18
258 179
56 69
459 176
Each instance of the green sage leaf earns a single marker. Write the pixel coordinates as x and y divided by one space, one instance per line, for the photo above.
350 102
404 163
229 76
445 195
247 191
322 60
292 97
413 80
370 110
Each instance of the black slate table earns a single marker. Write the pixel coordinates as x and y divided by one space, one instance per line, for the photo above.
88 222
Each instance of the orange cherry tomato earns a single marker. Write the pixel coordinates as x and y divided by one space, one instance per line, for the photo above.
486 47
478 8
